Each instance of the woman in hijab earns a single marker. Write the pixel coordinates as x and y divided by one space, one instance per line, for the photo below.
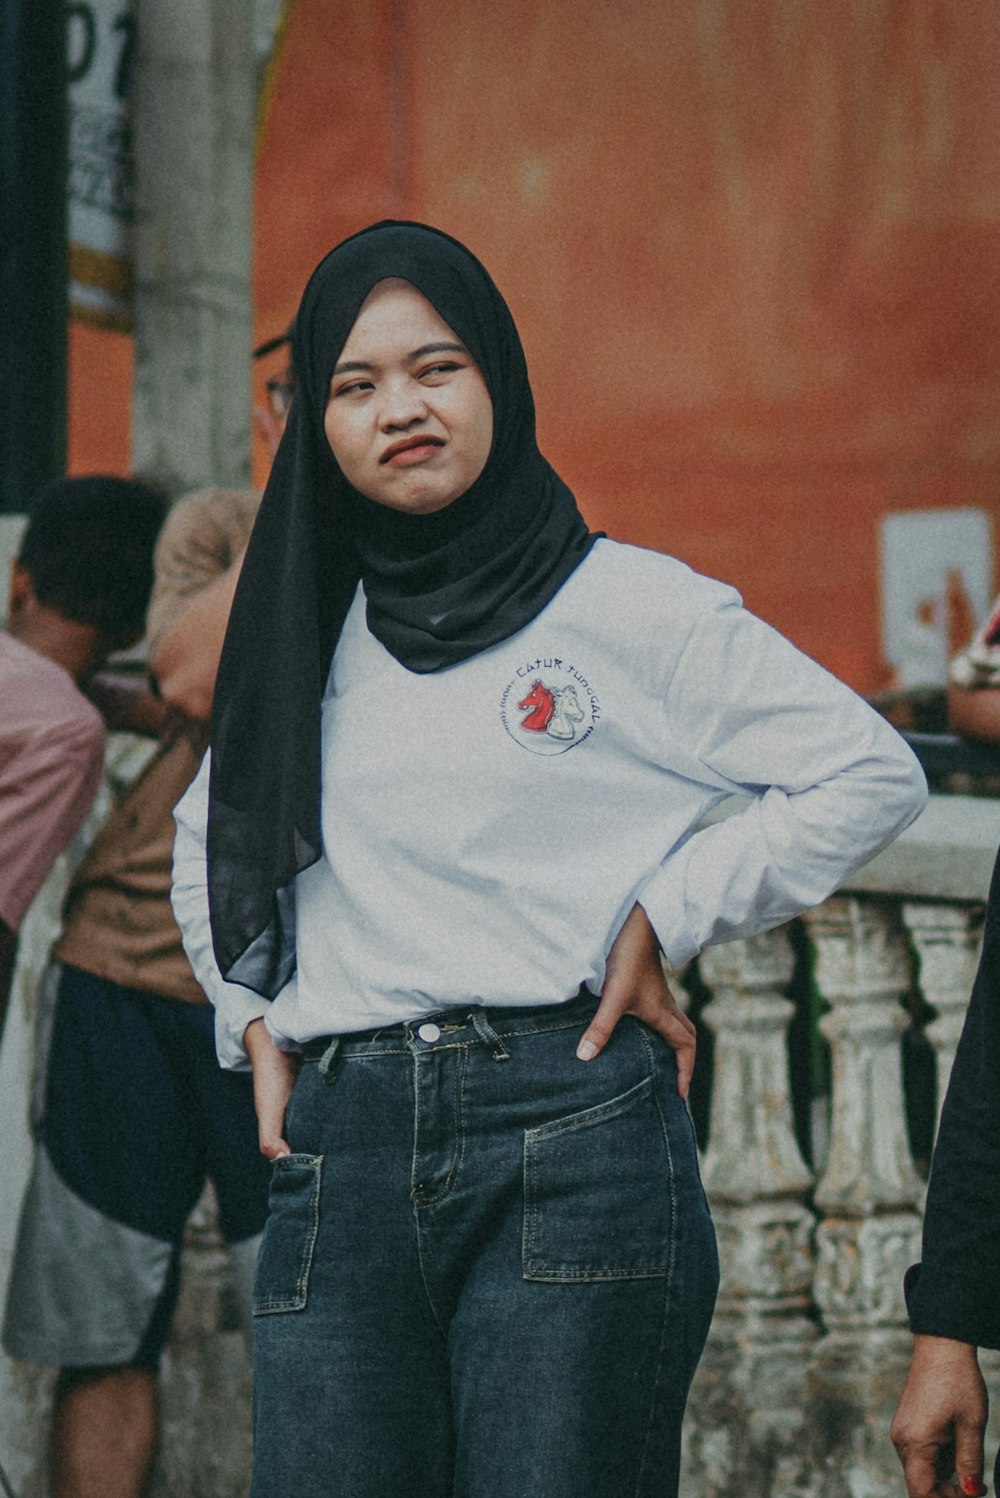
461 746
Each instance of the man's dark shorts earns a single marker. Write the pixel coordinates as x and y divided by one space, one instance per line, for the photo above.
134 1115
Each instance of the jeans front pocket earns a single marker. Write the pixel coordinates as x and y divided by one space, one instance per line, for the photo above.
598 1193
281 1282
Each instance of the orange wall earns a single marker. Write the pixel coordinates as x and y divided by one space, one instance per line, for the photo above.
100 400
753 249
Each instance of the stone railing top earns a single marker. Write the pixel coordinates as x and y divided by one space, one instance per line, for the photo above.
947 853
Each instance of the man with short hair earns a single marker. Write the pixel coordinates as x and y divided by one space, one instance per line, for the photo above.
121 1160
79 590
122 1152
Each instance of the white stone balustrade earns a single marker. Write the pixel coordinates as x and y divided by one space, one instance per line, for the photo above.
912 916
809 1345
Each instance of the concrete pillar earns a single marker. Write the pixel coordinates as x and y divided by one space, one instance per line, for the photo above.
869 1195
195 98
750 1431
948 940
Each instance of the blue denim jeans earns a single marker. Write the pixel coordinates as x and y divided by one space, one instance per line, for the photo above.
488 1269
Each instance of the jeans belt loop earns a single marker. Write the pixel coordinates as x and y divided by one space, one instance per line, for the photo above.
489 1036
326 1061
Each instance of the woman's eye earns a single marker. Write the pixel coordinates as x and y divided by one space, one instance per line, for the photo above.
434 370
353 388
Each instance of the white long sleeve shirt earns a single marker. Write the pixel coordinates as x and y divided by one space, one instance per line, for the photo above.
487 828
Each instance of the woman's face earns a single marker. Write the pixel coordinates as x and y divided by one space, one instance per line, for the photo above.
408 416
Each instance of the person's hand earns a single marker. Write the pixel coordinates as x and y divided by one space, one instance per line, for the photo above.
127 705
938 1426
634 984
274 1074
974 712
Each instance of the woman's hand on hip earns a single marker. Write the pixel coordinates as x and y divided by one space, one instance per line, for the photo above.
274 1074
634 983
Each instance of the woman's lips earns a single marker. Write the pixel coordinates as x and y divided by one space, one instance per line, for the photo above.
417 450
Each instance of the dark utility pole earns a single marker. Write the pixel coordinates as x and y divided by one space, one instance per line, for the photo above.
33 255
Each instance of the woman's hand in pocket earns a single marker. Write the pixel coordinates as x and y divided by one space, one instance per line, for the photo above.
634 984
274 1074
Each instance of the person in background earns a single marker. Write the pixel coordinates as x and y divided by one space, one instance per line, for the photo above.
78 592
974 684
187 655
272 416
460 750
953 1294
123 1150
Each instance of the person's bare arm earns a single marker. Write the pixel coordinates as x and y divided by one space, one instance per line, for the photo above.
127 705
975 713
185 657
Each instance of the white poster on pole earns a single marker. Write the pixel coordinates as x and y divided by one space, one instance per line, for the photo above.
100 44
937 585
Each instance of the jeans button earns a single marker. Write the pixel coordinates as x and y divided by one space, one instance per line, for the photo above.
429 1032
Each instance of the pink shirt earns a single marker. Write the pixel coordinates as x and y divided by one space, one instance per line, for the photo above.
51 753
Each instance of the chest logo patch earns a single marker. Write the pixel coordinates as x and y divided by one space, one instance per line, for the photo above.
549 706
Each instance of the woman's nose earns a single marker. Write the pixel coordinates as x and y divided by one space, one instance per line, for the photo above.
403 404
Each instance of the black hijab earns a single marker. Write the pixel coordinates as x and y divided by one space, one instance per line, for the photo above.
440 587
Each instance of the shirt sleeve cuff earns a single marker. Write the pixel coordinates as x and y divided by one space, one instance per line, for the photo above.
941 1305
233 1013
662 898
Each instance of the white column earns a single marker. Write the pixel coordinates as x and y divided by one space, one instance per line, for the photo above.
868 1194
748 1393
947 940
195 99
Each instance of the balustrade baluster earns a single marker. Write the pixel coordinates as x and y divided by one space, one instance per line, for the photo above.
868 1194
947 939
748 1434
